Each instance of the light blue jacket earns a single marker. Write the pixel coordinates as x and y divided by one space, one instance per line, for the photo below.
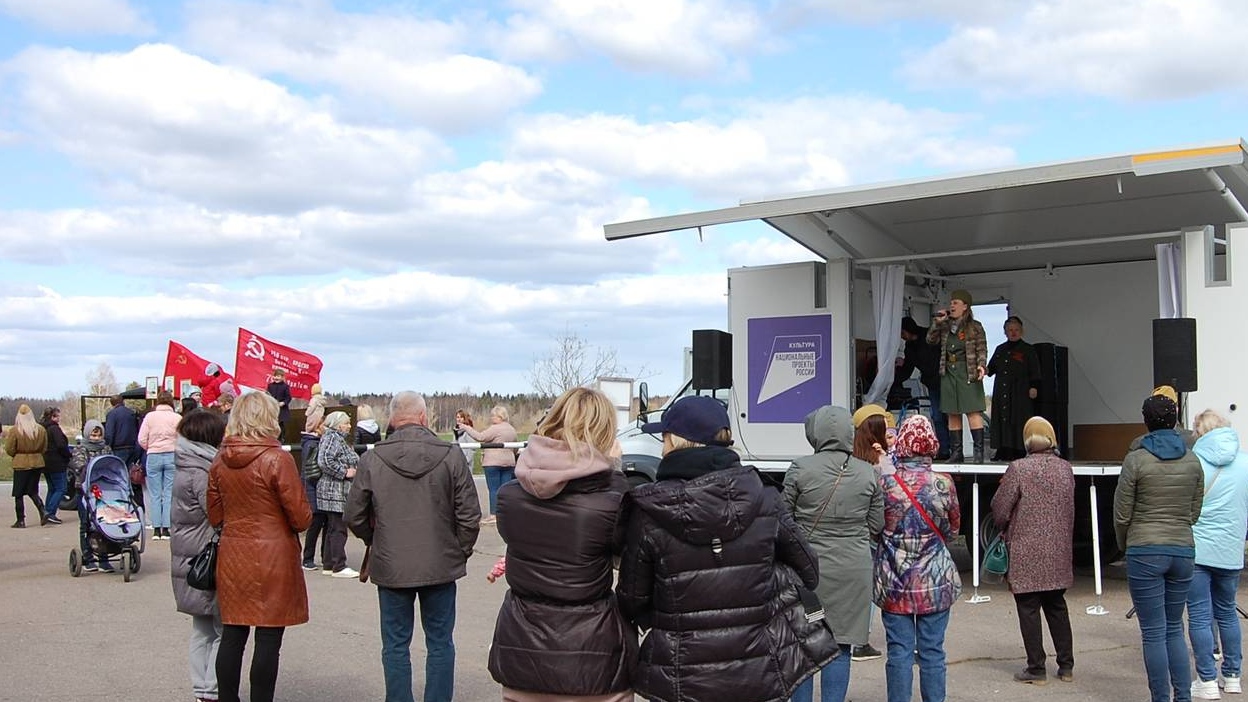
1223 523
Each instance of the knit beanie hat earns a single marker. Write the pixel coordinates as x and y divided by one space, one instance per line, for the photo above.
1038 435
916 438
1160 412
962 295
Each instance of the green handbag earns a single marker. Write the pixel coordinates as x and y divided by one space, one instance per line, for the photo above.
996 557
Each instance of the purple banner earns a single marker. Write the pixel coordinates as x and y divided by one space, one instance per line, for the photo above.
790 367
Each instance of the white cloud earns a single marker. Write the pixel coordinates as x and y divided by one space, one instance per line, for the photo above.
794 11
79 16
1147 50
763 148
686 37
159 120
534 221
404 330
418 67
766 251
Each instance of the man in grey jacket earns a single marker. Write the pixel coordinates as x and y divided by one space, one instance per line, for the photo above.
419 542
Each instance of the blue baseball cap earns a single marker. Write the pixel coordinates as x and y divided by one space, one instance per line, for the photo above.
697 418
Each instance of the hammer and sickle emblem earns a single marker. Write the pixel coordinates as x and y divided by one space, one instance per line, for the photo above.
255 349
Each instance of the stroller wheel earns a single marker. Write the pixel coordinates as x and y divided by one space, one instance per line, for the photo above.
75 562
125 566
135 561
69 502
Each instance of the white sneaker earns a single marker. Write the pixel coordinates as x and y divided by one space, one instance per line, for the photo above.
327 571
1205 690
352 573
1230 683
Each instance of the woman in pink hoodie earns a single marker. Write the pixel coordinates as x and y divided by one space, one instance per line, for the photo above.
158 436
560 635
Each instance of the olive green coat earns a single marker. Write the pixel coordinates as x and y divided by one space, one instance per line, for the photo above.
27 451
842 535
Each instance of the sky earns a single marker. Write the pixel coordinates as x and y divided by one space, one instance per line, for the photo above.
416 191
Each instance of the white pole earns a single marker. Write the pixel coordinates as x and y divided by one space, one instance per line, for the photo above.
975 598
1098 608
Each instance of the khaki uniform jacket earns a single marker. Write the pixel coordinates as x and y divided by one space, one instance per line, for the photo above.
976 343
27 451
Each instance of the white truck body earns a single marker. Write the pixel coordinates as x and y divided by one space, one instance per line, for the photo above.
1072 247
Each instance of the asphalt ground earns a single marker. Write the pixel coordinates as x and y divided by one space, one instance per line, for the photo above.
98 638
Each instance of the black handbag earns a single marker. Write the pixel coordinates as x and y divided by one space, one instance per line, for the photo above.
202 574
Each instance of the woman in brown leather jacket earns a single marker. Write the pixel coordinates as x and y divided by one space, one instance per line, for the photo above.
256 498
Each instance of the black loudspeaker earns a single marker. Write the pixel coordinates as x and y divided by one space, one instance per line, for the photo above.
1174 353
1054 373
712 359
1053 395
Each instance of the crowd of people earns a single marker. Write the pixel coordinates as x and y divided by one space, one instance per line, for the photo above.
741 590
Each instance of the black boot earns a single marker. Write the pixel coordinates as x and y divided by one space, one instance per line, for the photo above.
20 510
43 520
977 446
955 450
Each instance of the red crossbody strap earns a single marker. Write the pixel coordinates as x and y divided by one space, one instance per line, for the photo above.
922 512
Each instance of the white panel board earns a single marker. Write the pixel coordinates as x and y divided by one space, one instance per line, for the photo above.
785 355
1103 314
1221 335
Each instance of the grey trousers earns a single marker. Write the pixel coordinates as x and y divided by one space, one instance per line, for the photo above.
205 638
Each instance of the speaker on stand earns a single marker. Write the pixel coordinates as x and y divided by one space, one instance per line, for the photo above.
712 359
1053 395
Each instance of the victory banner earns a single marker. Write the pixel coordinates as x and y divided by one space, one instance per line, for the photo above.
257 357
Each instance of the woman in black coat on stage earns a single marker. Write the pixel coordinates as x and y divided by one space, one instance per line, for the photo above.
1017 371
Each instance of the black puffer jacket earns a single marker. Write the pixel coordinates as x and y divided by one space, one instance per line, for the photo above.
711 565
559 630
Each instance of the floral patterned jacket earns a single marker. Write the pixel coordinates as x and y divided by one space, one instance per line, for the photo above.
914 571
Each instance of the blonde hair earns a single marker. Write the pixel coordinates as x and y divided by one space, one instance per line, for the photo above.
254 416
25 423
1039 435
500 412
364 412
673 442
581 417
1207 421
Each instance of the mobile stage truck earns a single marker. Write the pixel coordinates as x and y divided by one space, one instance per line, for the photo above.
1122 265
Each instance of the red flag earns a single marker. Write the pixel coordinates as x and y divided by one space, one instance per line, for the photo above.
257 357
186 367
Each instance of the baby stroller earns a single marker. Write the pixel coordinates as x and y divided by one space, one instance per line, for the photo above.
115 523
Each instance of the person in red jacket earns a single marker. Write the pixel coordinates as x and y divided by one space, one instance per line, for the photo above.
212 383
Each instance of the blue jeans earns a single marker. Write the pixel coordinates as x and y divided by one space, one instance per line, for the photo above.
833 681
56 490
906 633
160 487
437 618
1212 599
496 477
1159 586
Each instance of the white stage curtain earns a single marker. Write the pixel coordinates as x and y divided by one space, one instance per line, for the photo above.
1169 270
887 294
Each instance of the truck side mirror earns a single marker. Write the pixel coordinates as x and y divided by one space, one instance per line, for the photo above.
643 400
